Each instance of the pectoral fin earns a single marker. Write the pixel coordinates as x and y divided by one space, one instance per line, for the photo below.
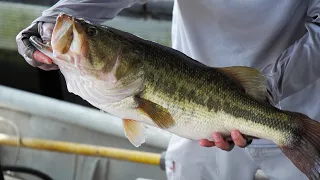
160 115
250 79
134 131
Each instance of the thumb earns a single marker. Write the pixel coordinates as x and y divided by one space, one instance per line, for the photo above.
40 57
45 30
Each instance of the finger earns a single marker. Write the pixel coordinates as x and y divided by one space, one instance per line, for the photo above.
206 143
238 139
220 142
40 57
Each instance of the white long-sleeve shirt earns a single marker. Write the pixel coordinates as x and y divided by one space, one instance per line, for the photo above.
279 37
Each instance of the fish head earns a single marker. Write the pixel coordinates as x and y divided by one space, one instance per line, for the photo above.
79 45
88 47
94 56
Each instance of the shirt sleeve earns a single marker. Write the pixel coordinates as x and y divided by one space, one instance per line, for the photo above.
298 66
97 11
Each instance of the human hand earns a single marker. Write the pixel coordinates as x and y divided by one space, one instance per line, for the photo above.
218 141
32 56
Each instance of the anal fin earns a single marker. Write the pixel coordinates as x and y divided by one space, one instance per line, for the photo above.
134 131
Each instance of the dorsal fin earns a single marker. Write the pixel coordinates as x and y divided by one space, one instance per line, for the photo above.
252 81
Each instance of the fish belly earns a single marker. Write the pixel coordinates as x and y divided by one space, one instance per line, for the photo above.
202 125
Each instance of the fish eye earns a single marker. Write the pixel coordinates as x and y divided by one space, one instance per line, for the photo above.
92 31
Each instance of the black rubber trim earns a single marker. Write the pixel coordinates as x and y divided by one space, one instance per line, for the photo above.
30 171
163 161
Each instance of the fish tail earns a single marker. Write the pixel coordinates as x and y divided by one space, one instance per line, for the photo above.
304 148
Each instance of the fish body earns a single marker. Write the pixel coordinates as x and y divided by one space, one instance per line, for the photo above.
143 82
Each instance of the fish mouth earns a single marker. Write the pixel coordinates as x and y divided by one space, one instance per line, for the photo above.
68 41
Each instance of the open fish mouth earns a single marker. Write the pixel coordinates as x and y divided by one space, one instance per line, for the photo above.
68 42
47 49
59 60
62 38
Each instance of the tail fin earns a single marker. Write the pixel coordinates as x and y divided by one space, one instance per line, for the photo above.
304 152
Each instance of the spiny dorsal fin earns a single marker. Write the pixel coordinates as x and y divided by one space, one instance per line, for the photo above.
250 79
159 115
134 131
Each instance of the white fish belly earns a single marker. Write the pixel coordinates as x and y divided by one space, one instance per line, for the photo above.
196 126
202 125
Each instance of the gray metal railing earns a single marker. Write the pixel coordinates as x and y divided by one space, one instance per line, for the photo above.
73 114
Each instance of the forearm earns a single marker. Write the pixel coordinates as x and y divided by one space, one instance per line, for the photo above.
299 66
96 11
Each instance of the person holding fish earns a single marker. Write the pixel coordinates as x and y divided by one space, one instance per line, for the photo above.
281 39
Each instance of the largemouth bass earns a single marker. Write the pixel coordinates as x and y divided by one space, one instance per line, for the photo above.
143 82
